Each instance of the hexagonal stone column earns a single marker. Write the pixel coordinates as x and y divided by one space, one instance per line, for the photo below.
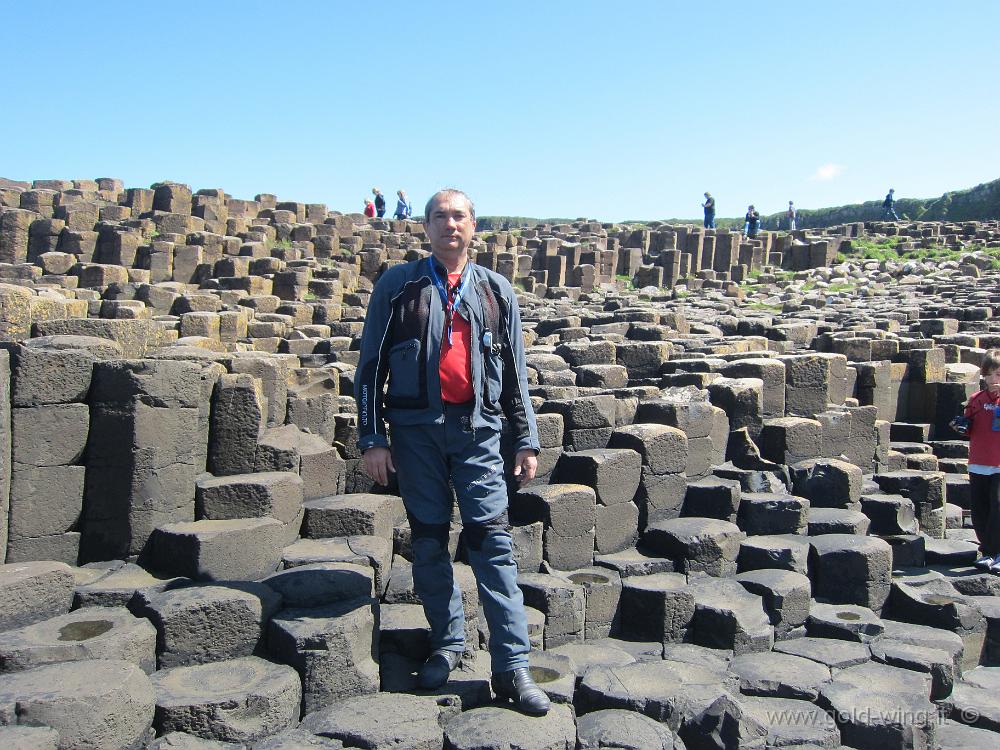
728 616
351 514
827 482
243 549
708 545
784 552
561 600
784 594
569 512
663 451
613 474
776 675
273 494
96 704
240 700
333 648
656 607
602 590
849 569
927 491
319 584
200 624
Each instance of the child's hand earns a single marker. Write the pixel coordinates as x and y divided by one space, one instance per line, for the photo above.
960 425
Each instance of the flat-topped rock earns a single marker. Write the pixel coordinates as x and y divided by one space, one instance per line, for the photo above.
782 552
616 728
385 720
238 700
33 591
779 675
494 728
848 622
793 723
833 653
665 691
95 704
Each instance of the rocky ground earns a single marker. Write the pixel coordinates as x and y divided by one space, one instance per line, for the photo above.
750 527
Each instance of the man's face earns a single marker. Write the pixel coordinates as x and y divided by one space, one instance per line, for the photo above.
451 225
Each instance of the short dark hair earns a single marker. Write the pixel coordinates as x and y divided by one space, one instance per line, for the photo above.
991 361
447 191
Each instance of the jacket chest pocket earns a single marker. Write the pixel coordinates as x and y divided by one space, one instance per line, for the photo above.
404 369
493 367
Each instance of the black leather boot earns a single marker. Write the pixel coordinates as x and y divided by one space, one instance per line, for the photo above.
434 672
517 685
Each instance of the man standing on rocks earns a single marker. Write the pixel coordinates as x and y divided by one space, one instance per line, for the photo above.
889 206
447 334
709 206
379 202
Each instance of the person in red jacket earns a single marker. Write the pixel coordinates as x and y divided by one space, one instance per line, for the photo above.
369 209
983 415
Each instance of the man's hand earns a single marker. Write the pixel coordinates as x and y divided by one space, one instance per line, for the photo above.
525 466
378 464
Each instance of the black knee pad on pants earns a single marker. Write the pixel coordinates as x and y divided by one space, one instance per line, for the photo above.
437 531
474 534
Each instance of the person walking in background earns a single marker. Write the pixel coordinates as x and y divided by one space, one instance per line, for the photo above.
889 206
379 202
709 206
403 208
791 216
369 208
751 222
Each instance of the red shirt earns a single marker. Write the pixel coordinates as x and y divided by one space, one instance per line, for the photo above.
456 367
984 441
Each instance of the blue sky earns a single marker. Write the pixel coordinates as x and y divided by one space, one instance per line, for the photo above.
605 110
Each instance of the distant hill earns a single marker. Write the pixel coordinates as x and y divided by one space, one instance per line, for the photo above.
979 203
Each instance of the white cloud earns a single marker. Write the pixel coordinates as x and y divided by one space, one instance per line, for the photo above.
827 172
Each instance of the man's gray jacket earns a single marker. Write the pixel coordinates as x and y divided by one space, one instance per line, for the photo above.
404 327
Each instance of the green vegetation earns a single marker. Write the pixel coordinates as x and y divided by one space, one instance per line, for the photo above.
891 248
882 248
624 277
506 223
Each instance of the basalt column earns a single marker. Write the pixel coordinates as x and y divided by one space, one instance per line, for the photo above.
143 453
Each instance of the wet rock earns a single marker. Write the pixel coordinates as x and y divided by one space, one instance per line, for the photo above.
89 633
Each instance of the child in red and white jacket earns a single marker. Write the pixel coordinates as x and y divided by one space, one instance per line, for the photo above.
983 415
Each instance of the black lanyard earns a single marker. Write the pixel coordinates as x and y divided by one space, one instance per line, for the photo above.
446 300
